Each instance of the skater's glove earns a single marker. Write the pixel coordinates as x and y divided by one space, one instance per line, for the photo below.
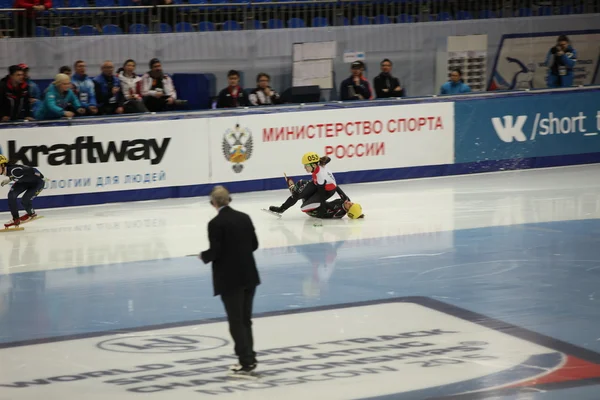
5 182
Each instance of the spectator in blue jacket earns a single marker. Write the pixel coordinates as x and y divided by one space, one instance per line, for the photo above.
108 91
59 100
455 85
84 89
560 61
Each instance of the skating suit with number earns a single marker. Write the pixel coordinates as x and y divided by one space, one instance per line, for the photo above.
26 179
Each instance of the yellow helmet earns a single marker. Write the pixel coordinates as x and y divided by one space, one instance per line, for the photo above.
3 159
310 158
354 211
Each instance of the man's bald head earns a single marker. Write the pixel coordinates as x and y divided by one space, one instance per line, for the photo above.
220 196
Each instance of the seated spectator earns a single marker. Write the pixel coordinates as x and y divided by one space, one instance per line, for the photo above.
25 21
65 69
455 85
356 87
263 95
157 88
108 91
130 88
59 100
14 96
84 89
233 95
385 84
35 95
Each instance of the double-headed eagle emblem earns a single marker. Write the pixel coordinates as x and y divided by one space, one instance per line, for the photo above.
237 146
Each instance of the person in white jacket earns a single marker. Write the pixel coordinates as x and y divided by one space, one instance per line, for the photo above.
130 83
157 89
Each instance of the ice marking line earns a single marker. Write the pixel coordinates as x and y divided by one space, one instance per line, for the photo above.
414 255
475 263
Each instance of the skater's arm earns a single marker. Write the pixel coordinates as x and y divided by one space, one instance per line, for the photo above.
214 238
341 193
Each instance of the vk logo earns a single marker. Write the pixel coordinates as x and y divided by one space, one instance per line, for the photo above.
510 130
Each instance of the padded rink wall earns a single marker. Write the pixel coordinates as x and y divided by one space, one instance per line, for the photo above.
94 161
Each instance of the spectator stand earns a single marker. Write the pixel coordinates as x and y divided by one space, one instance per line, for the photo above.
75 17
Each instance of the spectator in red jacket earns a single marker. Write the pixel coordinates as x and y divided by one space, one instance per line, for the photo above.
14 96
25 21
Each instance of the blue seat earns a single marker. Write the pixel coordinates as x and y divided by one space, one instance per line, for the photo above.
342 21
78 3
296 23
567 10
361 20
65 31
444 16
254 24
404 18
6 4
524 12
206 26
275 23
463 15
111 30
88 30
184 27
486 14
41 31
382 19
138 29
163 28
231 25
319 22
105 3
545 11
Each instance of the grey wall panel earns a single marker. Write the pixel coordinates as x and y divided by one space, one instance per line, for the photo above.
412 47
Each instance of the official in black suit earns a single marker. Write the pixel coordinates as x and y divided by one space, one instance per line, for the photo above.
235 277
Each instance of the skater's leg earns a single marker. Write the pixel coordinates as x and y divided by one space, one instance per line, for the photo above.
13 193
302 191
315 201
31 194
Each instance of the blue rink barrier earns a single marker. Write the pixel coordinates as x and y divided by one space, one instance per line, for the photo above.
492 132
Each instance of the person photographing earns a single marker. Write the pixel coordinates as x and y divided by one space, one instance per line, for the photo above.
561 60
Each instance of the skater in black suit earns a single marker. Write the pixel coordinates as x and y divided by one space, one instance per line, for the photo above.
26 179
235 277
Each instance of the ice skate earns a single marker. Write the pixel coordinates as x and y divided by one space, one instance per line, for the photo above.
30 217
276 211
13 225
244 372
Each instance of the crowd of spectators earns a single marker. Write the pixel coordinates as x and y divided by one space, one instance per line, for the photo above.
124 91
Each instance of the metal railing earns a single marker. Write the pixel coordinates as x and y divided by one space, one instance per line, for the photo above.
103 18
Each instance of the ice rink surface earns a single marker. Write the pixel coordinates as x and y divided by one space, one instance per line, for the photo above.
471 287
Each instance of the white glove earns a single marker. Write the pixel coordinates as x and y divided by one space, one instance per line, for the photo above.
5 182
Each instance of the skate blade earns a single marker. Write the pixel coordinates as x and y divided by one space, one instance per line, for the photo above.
245 376
32 219
271 212
11 229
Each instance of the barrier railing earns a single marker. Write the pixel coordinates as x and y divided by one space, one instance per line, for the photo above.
81 17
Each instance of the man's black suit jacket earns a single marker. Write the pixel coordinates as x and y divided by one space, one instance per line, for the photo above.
232 244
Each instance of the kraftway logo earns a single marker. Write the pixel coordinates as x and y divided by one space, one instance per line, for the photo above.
85 149
510 129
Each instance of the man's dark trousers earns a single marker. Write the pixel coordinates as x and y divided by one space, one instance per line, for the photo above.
238 305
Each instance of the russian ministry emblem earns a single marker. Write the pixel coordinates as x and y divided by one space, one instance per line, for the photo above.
237 146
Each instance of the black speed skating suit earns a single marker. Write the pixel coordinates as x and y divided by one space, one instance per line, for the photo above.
26 179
